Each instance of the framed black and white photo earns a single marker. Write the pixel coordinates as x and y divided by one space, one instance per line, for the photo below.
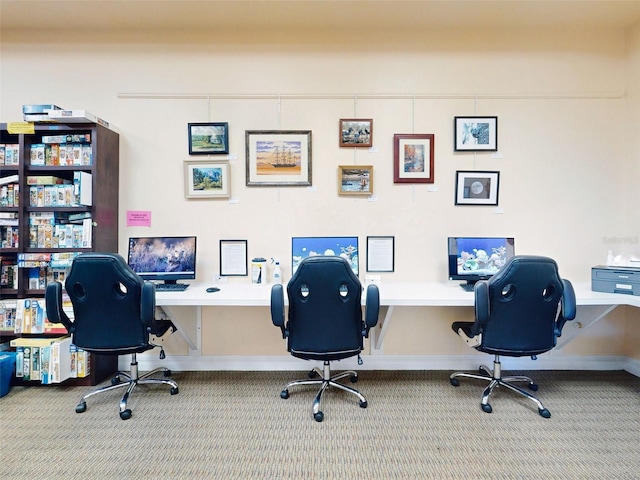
477 188
476 134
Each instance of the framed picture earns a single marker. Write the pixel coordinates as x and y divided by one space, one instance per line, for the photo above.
477 188
208 138
278 157
355 179
380 254
413 158
206 179
475 134
356 132
233 258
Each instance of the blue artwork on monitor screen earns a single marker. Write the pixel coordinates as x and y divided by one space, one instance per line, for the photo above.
345 247
478 258
163 258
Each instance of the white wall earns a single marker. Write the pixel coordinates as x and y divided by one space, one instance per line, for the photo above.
562 98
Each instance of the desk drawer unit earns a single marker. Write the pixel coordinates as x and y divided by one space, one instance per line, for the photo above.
616 280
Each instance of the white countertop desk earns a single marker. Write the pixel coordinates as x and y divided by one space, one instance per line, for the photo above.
392 295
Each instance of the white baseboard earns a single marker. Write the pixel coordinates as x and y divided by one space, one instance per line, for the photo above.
384 362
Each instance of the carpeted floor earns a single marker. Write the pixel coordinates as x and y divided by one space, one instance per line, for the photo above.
234 425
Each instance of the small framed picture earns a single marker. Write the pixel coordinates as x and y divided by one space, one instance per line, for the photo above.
477 188
278 158
208 138
380 254
355 179
206 179
356 132
475 134
233 258
413 158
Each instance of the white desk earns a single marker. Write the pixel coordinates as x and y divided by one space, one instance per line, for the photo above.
392 295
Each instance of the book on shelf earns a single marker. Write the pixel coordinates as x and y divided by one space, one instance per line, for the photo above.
9 179
83 188
47 180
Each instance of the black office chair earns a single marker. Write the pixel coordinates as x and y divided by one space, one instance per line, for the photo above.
325 321
114 313
520 311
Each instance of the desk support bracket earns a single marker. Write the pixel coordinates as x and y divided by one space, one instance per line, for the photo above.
182 317
573 328
378 333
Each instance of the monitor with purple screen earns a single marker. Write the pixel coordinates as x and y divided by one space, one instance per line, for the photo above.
477 258
167 259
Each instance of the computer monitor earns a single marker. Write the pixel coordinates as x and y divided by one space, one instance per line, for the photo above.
477 258
346 247
167 259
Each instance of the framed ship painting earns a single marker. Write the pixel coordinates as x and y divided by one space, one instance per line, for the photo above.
278 158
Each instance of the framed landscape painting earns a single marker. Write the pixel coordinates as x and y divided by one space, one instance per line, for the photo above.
413 158
208 138
206 179
356 132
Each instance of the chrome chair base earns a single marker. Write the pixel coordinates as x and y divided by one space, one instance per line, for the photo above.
131 380
496 379
325 381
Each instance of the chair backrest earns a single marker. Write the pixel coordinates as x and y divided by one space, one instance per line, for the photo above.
325 311
106 296
520 305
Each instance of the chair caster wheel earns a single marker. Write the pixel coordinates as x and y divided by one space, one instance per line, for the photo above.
167 373
544 413
126 414
455 382
284 394
318 416
312 374
174 391
363 404
115 380
486 408
353 378
81 407
533 387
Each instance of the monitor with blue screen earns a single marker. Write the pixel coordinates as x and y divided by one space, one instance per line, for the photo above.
477 258
167 259
346 247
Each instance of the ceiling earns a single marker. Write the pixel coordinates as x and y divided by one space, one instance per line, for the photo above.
345 15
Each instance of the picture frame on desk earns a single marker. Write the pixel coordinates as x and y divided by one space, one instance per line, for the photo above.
475 134
355 180
234 259
206 179
380 253
413 158
278 158
208 138
356 132
477 188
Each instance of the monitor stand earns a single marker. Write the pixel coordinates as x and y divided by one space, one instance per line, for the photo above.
469 285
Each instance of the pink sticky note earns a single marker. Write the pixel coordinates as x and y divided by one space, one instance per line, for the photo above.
138 218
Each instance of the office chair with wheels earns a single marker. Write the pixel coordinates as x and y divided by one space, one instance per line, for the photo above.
520 311
325 321
114 313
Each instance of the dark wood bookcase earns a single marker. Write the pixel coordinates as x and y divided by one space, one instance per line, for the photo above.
104 170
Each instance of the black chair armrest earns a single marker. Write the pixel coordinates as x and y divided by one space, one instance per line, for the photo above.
277 308
53 302
372 309
482 306
568 305
148 303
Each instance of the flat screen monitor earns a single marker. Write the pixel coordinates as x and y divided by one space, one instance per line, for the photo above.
167 259
346 247
477 258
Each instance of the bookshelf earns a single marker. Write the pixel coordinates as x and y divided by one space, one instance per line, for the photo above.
58 198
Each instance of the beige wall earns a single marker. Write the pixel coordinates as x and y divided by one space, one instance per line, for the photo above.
567 163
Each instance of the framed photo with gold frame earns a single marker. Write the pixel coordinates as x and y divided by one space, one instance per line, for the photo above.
413 158
355 180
